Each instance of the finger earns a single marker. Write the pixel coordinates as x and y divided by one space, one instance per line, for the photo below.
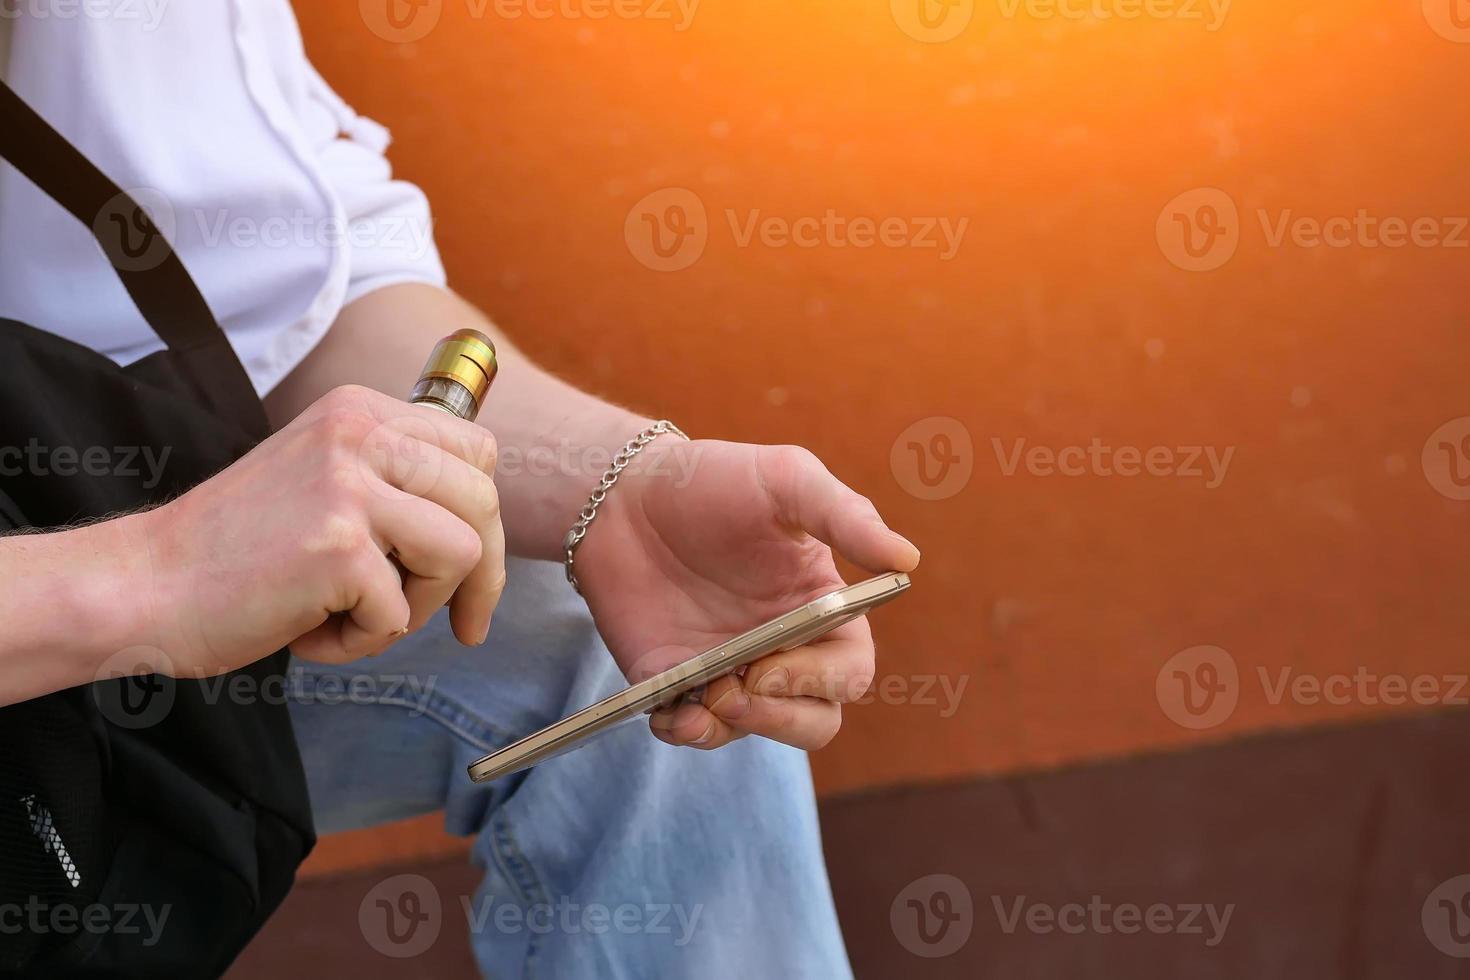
691 724
727 712
468 441
435 547
470 494
807 723
810 498
377 614
836 667
474 602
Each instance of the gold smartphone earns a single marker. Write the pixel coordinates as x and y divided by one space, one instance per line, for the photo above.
801 625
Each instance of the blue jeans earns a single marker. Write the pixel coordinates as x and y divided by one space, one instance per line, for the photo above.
627 858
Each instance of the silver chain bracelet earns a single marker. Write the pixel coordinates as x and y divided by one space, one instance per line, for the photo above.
609 478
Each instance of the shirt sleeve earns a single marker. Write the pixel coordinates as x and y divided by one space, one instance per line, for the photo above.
389 228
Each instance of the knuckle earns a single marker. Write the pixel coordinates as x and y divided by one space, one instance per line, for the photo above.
860 675
488 452
342 400
467 548
780 715
797 458
341 430
366 558
347 395
498 581
338 536
476 445
340 490
486 501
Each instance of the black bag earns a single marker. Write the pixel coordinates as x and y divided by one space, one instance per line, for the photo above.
134 800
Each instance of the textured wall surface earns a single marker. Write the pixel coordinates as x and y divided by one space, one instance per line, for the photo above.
1072 310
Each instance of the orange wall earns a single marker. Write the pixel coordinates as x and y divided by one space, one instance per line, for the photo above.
1326 548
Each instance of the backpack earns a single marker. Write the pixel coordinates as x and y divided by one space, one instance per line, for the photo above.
148 825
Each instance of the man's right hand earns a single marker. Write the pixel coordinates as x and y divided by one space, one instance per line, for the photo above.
291 545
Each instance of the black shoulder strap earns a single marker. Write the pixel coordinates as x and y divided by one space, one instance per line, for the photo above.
152 274
158 282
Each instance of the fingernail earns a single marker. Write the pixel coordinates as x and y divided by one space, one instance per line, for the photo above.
736 704
776 682
663 719
709 733
906 545
484 633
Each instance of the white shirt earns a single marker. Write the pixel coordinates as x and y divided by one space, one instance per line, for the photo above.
275 194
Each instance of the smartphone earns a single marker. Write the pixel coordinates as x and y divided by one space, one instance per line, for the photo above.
801 625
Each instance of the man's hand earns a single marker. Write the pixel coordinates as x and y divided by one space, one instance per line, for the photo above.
671 566
292 544
702 541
